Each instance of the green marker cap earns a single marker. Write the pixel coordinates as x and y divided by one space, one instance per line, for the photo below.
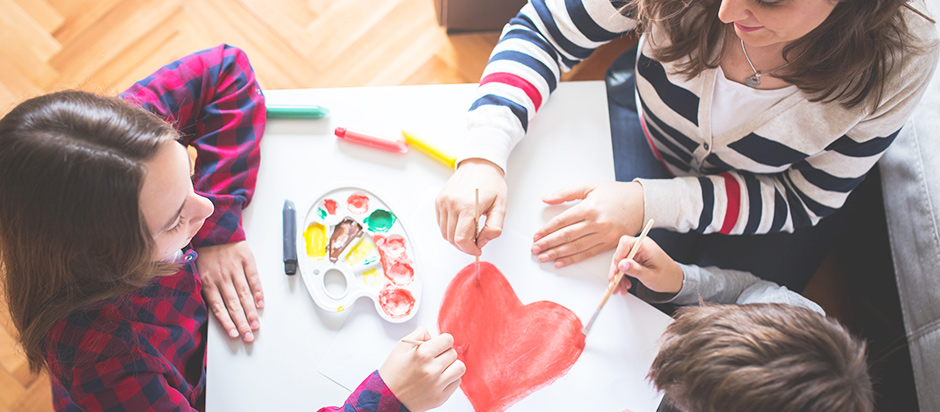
297 111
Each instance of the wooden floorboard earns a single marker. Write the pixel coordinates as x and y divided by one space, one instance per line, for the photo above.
105 45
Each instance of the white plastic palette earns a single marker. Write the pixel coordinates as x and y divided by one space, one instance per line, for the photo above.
379 263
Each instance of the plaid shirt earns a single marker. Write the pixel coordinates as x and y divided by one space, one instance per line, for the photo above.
146 351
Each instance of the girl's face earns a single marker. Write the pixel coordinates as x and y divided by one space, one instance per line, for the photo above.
172 210
768 22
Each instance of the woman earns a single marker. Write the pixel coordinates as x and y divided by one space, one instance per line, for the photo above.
748 118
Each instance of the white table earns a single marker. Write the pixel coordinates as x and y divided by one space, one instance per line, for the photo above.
568 143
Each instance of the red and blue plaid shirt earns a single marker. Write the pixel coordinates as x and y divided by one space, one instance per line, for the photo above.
145 351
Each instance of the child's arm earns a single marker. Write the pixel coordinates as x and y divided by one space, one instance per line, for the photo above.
414 378
213 99
664 280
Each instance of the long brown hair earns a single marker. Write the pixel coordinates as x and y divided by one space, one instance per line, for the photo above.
761 357
845 59
71 230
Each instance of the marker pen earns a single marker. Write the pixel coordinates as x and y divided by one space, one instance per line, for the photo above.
371 140
426 148
296 111
289 217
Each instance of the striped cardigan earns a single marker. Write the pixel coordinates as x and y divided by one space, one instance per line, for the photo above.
788 167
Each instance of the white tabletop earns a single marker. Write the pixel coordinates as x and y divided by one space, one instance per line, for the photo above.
286 367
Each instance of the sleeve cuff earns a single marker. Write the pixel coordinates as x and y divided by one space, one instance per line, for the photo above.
223 226
491 144
668 202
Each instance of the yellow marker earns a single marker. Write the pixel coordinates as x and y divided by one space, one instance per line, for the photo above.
429 150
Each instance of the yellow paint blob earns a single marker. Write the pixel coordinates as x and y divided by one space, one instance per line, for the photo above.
360 251
340 309
315 236
372 277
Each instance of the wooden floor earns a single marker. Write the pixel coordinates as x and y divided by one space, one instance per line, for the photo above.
105 45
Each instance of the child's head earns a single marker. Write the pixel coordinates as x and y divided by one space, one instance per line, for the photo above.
761 357
81 176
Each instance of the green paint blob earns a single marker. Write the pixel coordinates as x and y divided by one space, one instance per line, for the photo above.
321 212
380 221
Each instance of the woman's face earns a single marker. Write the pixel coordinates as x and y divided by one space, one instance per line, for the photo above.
173 211
763 23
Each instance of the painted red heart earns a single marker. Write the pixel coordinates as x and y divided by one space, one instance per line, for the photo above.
510 349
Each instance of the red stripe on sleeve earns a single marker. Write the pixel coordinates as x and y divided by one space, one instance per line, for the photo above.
733 191
516 81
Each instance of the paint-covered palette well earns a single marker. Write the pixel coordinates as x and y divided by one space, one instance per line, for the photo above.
352 245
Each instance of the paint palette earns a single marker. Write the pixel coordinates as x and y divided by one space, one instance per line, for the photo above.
352 245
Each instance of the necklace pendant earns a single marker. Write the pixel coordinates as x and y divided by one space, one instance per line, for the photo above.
753 81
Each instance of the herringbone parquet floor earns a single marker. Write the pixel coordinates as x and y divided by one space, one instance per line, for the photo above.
105 45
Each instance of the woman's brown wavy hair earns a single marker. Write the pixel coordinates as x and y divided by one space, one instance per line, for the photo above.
71 230
846 59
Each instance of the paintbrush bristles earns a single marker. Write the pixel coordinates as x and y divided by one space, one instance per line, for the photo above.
616 280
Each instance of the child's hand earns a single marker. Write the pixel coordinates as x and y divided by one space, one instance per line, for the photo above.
423 377
607 211
231 287
651 266
455 205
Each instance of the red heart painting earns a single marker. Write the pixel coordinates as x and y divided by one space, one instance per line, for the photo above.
510 349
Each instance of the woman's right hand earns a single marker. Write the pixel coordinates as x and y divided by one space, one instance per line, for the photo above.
423 376
456 204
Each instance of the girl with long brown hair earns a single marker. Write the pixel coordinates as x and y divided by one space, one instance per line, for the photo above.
101 222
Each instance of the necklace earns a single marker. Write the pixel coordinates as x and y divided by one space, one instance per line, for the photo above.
754 81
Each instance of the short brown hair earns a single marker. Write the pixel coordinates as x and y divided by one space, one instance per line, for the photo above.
761 357
71 230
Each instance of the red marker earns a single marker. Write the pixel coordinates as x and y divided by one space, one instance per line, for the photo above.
371 140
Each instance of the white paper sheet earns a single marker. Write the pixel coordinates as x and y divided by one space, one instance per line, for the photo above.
621 342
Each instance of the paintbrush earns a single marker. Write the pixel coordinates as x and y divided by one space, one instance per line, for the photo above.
412 341
613 283
476 228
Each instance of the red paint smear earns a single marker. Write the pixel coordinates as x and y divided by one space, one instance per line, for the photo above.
510 349
330 206
358 203
400 273
396 302
395 262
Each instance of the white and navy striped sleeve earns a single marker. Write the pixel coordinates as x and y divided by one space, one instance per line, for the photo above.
544 39
741 196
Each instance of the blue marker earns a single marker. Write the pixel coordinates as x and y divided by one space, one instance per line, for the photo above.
289 216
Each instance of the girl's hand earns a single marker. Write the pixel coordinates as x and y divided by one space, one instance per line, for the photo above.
651 266
231 287
423 377
607 211
456 204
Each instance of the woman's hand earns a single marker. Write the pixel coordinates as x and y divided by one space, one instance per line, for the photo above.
231 287
423 376
607 211
651 266
456 204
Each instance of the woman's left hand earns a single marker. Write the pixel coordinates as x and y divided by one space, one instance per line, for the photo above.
607 211
231 287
